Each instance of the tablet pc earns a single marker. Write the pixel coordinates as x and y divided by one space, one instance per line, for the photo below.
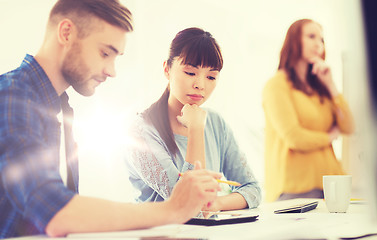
301 208
221 219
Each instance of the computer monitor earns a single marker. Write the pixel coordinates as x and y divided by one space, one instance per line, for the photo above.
369 12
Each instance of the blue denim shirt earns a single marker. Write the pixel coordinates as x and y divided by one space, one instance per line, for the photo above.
31 188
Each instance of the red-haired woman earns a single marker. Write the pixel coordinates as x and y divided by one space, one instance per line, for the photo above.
304 114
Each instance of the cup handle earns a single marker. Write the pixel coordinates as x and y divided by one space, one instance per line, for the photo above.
332 192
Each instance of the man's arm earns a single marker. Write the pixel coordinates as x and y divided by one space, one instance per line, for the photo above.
84 214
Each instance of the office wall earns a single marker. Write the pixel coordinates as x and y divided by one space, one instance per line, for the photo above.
250 34
355 88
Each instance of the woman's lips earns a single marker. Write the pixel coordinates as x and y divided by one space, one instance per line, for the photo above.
195 97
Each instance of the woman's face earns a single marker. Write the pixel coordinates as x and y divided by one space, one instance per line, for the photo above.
312 42
190 84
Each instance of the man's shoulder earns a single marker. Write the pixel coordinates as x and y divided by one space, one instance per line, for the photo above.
19 85
17 79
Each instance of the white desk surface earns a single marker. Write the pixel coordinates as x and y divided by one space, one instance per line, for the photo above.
315 224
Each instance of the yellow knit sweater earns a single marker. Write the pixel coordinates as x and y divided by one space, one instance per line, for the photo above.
297 149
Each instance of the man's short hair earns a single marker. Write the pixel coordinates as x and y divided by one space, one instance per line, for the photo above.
81 12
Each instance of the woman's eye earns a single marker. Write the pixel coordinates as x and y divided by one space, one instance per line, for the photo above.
190 73
104 54
211 78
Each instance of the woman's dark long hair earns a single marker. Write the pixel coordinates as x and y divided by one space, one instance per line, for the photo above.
291 53
193 46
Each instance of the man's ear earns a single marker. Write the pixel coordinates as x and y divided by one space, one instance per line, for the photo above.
166 70
65 31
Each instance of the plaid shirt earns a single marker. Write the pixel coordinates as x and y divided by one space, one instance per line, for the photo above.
31 188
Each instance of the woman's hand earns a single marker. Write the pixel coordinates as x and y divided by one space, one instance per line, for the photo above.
334 133
194 119
323 72
192 116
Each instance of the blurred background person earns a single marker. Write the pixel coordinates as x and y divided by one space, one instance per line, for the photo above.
304 114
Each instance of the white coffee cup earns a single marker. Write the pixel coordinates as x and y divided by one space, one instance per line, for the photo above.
337 191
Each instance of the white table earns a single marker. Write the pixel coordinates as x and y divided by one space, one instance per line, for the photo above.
316 224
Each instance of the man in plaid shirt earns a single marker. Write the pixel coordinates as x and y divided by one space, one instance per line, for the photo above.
82 40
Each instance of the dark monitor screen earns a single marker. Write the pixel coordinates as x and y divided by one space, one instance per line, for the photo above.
369 10
370 23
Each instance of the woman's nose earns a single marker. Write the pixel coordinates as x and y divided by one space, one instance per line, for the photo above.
199 83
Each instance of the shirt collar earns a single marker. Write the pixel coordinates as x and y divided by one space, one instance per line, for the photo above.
43 83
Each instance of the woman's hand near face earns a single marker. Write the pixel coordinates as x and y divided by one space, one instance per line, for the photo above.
334 133
192 117
323 72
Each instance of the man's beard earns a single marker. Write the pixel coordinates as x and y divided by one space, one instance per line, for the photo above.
75 71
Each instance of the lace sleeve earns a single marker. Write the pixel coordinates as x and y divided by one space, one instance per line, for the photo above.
149 168
151 165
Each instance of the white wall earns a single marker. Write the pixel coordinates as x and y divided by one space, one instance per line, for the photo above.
250 33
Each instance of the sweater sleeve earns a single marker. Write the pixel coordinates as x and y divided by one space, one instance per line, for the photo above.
280 112
149 159
236 167
343 115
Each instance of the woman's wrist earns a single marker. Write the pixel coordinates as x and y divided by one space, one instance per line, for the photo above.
219 203
195 128
332 90
196 145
